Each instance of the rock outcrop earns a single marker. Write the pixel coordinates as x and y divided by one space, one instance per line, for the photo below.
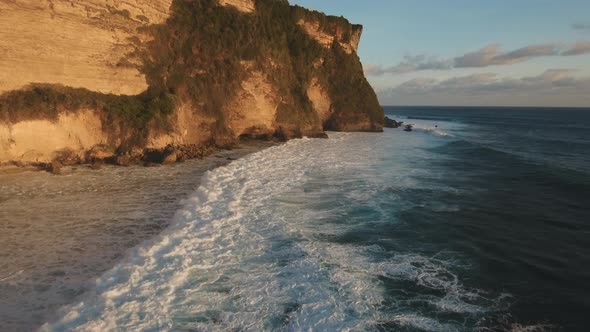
246 6
347 37
121 80
391 123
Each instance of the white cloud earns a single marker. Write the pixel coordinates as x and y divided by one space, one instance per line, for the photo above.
581 26
490 55
552 87
411 63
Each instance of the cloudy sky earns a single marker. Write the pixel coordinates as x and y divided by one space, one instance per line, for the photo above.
472 52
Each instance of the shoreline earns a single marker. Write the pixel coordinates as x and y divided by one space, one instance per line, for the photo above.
101 156
60 233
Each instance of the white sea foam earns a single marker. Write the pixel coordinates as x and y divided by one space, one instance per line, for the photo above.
433 127
245 253
437 128
422 323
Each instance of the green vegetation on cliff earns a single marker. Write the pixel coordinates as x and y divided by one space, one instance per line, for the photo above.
45 101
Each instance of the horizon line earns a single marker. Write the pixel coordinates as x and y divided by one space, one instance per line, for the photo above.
480 106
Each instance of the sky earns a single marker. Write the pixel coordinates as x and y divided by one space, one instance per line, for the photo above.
472 52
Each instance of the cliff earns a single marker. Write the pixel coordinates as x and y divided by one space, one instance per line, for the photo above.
74 43
132 76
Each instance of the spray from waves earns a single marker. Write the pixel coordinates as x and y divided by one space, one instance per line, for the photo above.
228 261
431 129
437 127
245 254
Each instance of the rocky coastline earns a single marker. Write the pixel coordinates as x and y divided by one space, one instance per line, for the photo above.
67 161
190 77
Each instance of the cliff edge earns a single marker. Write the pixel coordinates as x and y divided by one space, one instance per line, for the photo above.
120 80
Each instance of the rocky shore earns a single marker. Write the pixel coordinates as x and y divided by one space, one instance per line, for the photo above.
67 161
391 123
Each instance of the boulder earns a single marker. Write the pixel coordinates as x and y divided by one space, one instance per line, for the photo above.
55 167
285 133
257 133
17 163
96 166
66 157
224 142
100 152
167 155
126 160
391 123
320 135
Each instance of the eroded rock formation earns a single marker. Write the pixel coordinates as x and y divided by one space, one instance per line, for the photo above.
246 6
142 75
348 37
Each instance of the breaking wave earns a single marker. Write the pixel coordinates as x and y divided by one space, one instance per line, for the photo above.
257 247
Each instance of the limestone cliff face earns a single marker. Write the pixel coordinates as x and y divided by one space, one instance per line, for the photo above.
320 99
253 110
136 75
81 43
42 140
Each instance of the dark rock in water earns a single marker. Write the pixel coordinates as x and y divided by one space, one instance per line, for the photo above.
257 133
284 134
169 156
192 151
160 156
153 156
320 135
280 135
223 142
18 163
391 123
96 166
55 167
289 310
66 157
126 160
148 164
100 152
179 153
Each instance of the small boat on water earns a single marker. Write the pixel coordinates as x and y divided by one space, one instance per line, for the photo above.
408 127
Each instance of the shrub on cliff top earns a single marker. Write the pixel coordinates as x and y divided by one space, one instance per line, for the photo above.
45 101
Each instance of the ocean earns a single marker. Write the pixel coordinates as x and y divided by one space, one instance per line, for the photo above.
478 220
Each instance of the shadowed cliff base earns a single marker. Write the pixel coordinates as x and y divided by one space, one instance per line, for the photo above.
215 73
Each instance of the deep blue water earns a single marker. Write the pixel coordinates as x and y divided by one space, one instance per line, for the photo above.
521 188
478 220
